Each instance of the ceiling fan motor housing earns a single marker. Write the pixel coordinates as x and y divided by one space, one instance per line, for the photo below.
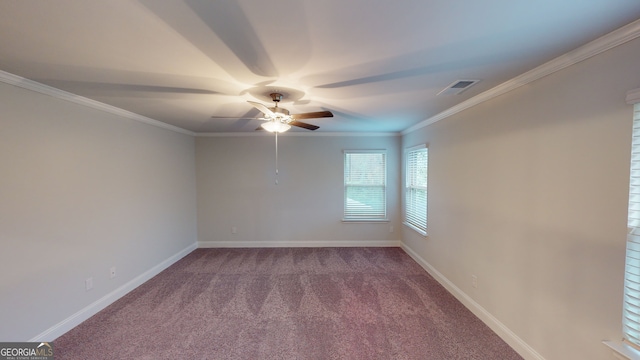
285 118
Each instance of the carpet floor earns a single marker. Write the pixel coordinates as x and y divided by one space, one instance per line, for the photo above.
286 303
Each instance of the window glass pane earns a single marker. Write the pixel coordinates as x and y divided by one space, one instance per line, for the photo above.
365 185
416 188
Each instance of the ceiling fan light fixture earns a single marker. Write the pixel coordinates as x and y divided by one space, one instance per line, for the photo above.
275 126
280 120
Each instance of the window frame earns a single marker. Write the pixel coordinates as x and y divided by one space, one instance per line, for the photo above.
410 186
384 185
627 348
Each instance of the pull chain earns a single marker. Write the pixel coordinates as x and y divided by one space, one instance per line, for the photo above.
276 157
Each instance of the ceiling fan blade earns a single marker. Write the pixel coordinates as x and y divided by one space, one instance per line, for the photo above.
234 117
304 125
265 110
312 115
251 114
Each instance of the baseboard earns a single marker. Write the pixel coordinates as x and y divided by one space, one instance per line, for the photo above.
499 328
87 312
272 244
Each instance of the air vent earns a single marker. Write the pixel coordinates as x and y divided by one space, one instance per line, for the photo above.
458 87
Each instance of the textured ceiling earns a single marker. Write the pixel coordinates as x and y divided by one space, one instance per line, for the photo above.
376 64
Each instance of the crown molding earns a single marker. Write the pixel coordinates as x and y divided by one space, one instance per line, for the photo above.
27 84
593 48
287 134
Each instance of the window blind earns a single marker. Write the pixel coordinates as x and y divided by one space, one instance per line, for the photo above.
631 306
416 188
365 185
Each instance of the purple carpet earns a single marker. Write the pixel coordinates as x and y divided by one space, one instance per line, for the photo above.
287 303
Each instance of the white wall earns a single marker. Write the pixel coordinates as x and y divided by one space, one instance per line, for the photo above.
528 192
236 188
81 191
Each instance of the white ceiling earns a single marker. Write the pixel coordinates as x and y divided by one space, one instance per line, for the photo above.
376 64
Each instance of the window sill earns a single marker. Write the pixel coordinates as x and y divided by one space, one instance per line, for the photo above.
623 351
419 231
365 220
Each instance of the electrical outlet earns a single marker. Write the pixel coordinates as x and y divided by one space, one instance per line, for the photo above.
112 272
88 284
234 230
391 228
474 281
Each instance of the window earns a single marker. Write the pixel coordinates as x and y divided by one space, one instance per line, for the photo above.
365 185
631 305
415 210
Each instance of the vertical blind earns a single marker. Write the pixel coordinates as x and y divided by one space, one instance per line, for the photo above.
365 185
416 188
631 306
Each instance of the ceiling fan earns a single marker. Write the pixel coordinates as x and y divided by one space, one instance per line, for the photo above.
279 120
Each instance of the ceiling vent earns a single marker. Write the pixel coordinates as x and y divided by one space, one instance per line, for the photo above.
457 87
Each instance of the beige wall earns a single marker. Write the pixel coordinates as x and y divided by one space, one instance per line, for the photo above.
81 191
236 188
528 192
